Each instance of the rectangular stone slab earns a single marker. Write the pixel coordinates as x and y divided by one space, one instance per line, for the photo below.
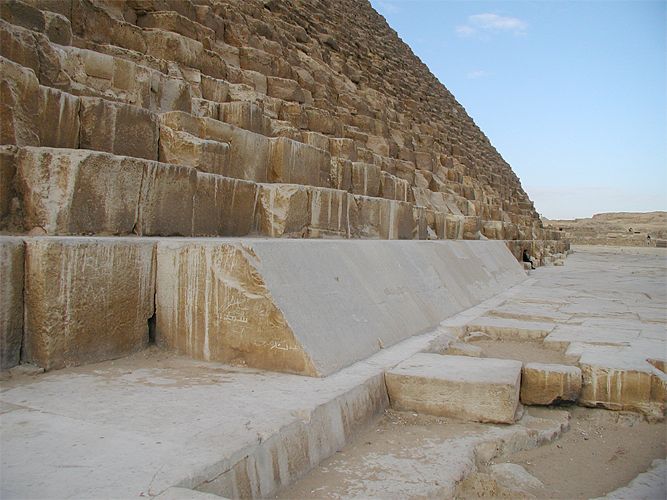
315 306
545 384
479 389
86 299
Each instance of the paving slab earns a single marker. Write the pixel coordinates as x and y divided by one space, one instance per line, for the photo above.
478 389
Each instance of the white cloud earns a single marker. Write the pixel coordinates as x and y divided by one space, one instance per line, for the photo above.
478 73
491 23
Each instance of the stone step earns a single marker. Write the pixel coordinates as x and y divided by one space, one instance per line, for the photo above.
469 388
510 328
262 303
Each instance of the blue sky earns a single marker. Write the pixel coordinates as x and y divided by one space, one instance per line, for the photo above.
571 93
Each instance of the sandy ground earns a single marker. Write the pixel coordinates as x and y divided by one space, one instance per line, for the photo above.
602 451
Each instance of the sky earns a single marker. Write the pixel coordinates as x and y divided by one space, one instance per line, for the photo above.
573 94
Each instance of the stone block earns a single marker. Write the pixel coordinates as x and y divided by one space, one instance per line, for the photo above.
86 299
246 115
384 219
58 119
343 148
366 179
329 213
7 185
223 206
118 128
315 139
171 46
64 191
287 90
464 349
294 162
546 384
181 148
393 188
341 174
213 304
11 301
167 200
283 210
478 389
19 104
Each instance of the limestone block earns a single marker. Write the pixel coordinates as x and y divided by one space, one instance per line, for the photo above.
283 210
287 90
205 108
246 115
294 162
365 179
22 14
471 228
545 384
320 120
58 28
118 128
341 174
223 206
329 213
167 198
11 301
58 119
464 349
182 148
65 191
378 145
393 188
213 89
19 104
86 299
384 219
213 304
173 47
19 45
248 154
7 177
479 389
173 21
256 60
315 139
344 148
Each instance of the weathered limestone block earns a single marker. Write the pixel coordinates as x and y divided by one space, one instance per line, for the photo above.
118 128
213 89
86 299
479 389
11 301
283 210
173 21
249 152
384 219
22 14
65 191
167 198
223 206
341 174
287 90
366 179
58 119
546 384
205 109
329 213
315 139
173 47
256 60
471 228
454 226
7 178
213 304
622 384
294 162
343 148
393 188
182 148
19 104
246 115
464 349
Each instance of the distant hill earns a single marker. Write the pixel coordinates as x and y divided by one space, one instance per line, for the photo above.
614 228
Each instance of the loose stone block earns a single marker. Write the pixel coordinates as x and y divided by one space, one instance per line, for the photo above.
479 389
283 210
294 162
546 384
118 128
11 301
212 304
86 299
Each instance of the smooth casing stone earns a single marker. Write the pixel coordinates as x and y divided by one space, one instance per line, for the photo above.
545 384
479 389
